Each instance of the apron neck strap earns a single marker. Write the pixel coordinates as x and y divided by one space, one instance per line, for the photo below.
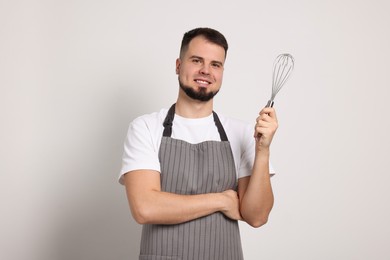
168 122
218 124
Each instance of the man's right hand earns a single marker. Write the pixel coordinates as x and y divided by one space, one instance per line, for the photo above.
231 204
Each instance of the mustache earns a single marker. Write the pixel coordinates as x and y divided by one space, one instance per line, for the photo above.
201 95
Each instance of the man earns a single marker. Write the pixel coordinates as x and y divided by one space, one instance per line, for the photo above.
190 174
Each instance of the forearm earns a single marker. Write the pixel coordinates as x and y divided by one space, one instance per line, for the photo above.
158 207
257 201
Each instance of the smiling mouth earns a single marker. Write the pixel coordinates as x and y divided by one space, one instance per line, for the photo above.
202 82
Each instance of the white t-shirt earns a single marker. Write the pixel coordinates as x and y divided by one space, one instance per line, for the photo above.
144 135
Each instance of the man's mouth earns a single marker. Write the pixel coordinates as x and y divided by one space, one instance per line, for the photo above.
202 82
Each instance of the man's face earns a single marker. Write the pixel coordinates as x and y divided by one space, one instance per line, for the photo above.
200 69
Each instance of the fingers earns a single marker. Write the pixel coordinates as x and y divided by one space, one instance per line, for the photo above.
266 120
265 127
232 207
268 113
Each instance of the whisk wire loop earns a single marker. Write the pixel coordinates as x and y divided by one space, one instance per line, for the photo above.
283 66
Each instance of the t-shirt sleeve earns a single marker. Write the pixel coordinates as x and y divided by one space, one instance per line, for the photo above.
140 151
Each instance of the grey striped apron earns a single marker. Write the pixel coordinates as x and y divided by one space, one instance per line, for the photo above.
186 168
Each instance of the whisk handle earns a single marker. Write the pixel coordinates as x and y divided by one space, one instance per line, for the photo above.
270 103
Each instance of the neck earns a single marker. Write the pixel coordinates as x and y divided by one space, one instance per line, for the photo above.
190 108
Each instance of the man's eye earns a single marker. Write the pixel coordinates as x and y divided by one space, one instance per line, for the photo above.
195 60
216 65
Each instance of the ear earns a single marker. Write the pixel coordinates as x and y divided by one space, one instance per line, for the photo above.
178 63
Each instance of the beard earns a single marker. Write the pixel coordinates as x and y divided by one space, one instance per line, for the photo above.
201 94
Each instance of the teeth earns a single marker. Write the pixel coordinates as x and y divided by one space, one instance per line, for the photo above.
202 81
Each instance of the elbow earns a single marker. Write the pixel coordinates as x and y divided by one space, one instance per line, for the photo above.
257 220
256 217
140 219
143 210
141 215
256 223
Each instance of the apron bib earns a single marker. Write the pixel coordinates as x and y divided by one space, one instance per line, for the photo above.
189 169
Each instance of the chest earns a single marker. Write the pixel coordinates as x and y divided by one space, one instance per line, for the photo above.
196 168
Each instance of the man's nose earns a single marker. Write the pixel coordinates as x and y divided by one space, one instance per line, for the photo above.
204 70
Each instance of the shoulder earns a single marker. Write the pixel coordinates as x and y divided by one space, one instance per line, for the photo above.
239 132
148 127
234 124
151 120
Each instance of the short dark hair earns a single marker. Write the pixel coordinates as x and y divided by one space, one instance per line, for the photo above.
210 34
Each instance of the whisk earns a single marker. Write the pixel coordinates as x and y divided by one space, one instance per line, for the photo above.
283 66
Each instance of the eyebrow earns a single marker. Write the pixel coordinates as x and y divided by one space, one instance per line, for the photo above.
213 61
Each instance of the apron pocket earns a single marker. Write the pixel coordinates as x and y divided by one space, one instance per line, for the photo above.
157 257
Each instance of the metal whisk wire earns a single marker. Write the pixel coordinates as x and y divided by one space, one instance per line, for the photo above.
283 66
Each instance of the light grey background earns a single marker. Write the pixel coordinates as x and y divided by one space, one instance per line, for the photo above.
73 74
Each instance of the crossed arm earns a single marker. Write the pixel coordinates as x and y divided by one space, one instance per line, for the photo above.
252 203
150 205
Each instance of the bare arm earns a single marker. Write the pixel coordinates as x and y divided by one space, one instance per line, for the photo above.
150 205
255 191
